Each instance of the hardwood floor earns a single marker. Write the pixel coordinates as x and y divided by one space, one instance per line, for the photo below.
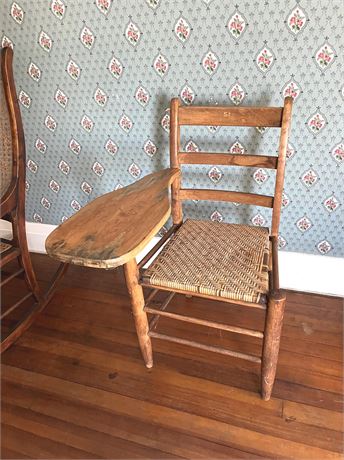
75 386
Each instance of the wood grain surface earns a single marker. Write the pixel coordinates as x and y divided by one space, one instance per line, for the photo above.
115 227
228 159
75 386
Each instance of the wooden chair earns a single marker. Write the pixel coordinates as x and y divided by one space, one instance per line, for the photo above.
243 267
12 207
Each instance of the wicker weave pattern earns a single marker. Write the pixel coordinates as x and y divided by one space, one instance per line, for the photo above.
5 145
224 260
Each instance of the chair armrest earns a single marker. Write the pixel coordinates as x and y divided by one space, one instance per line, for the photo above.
114 228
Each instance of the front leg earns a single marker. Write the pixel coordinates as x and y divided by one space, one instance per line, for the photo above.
272 337
131 273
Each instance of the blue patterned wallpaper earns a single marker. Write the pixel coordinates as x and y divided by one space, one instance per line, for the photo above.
94 80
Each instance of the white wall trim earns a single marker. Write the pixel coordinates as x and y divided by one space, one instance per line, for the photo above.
298 271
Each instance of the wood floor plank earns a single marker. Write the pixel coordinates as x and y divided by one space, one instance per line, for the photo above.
84 439
221 432
304 375
130 342
298 360
313 416
36 446
34 350
59 322
124 427
316 299
206 404
9 453
113 307
74 385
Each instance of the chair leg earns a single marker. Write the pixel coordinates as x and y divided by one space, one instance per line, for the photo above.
19 235
137 304
272 336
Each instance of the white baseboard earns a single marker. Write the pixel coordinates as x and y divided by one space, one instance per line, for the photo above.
298 271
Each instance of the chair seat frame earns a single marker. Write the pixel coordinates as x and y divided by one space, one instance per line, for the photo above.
85 239
274 304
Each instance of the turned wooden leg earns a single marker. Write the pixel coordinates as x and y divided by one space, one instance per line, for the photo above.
272 336
137 304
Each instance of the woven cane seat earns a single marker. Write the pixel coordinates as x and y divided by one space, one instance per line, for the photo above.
217 259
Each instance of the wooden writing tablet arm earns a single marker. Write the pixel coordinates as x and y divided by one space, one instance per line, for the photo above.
114 228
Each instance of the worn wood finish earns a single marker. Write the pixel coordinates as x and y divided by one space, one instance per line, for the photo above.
95 239
27 320
226 195
203 322
239 116
202 346
228 159
282 151
177 212
131 272
274 263
230 116
12 208
74 385
102 235
272 336
9 200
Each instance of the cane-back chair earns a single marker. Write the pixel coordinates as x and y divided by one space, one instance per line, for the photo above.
16 313
227 262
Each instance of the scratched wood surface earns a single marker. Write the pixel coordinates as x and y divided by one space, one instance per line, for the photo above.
233 116
115 227
75 386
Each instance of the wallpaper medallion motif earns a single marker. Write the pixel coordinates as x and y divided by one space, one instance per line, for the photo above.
94 80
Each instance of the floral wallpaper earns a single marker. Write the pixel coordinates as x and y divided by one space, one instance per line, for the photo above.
94 80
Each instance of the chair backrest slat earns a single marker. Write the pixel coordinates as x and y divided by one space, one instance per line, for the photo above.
278 117
231 116
228 159
226 195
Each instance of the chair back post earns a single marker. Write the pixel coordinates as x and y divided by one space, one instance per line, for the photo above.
177 213
282 150
12 205
15 194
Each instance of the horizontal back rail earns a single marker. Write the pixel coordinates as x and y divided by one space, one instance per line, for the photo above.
228 159
224 195
231 116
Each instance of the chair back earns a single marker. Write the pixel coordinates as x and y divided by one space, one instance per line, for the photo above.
12 145
276 117
5 143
